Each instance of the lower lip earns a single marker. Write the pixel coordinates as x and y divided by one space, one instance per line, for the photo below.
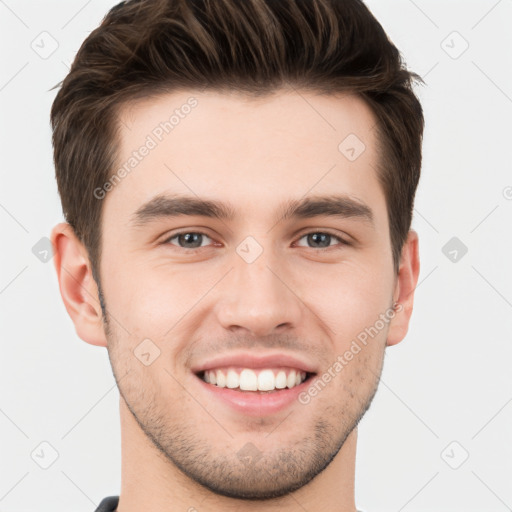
252 403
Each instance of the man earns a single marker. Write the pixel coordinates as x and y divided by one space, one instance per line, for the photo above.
238 181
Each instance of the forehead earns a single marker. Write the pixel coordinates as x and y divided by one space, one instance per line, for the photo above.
252 152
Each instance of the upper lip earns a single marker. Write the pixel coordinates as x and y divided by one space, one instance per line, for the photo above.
252 360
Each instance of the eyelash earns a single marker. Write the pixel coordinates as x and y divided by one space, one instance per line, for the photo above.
342 242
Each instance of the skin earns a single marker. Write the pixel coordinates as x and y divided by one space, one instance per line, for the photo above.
180 447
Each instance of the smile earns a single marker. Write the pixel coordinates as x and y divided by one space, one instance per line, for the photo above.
248 379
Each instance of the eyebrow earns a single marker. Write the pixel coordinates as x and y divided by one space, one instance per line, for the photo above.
169 206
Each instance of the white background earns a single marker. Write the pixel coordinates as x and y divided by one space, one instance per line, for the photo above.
449 380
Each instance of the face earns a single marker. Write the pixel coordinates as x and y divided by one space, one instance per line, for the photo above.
278 274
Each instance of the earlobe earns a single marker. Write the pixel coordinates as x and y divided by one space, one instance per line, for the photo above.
77 286
406 283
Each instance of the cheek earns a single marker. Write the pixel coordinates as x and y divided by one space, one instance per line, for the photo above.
151 298
348 294
158 310
353 304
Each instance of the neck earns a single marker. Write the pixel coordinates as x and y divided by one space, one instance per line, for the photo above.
149 481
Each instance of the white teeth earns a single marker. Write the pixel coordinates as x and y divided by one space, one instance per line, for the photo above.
248 380
221 378
251 380
281 380
232 380
266 380
290 381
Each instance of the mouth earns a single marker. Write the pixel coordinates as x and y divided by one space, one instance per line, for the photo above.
255 381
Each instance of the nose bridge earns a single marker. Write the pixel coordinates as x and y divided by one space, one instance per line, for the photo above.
256 297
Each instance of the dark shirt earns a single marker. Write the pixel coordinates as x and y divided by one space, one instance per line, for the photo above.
108 504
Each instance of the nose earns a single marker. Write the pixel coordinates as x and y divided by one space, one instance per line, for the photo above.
258 297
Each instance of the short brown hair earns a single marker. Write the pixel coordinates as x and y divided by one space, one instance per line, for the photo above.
145 47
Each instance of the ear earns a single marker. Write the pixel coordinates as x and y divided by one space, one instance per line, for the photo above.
77 286
406 282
